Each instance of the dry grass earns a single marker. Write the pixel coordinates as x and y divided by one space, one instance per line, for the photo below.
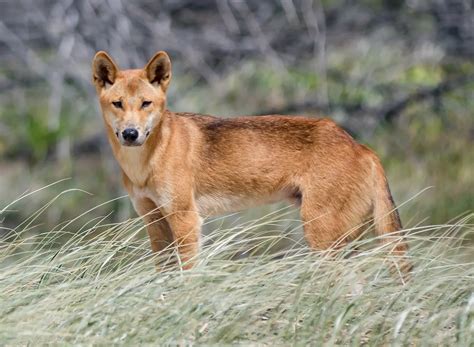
97 284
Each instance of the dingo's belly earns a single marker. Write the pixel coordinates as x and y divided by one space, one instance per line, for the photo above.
218 203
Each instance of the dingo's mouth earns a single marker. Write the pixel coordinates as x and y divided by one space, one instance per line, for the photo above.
131 144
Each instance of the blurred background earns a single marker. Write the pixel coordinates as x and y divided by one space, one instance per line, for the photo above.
398 75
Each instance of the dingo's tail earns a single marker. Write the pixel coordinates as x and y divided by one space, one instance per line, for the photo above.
386 218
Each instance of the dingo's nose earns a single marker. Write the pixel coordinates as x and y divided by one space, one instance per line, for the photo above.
130 134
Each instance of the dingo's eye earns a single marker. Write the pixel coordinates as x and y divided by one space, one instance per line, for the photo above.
146 104
117 104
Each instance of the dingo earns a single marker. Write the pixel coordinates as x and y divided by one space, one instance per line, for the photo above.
178 167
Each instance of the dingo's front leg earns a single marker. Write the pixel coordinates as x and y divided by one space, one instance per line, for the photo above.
156 224
185 225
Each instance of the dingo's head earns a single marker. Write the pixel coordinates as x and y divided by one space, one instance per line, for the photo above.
132 101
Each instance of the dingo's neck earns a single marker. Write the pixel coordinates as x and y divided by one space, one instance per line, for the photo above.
134 162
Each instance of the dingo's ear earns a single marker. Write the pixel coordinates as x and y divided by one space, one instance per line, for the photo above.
158 70
104 70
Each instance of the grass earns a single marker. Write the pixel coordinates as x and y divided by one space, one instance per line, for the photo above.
96 283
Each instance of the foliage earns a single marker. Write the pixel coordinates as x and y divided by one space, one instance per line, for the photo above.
350 61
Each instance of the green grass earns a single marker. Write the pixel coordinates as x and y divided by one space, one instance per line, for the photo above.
97 284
